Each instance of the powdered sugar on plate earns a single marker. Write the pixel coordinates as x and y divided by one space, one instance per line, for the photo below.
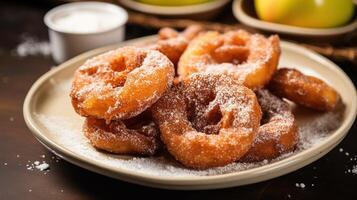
314 127
65 130
38 165
31 46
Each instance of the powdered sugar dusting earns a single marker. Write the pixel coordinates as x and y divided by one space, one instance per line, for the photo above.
236 53
38 165
31 46
66 131
115 80
317 128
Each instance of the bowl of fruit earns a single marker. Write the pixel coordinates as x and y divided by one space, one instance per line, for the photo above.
319 20
192 9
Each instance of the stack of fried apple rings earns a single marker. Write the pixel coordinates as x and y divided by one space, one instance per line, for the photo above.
207 98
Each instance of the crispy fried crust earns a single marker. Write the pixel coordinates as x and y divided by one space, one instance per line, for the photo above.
278 133
172 43
139 135
121 83
249 58
304 90
208 120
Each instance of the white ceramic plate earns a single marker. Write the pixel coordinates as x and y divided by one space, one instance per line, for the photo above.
49 115
240 8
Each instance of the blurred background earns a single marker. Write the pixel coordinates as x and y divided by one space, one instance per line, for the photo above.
326 26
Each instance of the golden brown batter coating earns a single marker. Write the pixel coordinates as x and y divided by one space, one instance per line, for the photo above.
121 83
172 43
139 135
250 58
304 90
207 120
278 133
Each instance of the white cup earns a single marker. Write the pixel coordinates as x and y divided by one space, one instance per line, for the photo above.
67 42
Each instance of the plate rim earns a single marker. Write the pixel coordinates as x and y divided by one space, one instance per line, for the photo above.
266 171
241 16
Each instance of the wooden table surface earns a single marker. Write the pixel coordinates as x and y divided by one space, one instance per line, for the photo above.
327 178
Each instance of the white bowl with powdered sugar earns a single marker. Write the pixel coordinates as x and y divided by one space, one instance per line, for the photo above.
81 26
49 114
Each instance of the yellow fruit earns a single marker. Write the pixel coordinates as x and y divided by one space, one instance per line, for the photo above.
306 13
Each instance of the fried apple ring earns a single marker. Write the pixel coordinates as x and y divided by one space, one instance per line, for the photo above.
278 133
207 120
139 135
121 83
172 43
304 90
250 58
